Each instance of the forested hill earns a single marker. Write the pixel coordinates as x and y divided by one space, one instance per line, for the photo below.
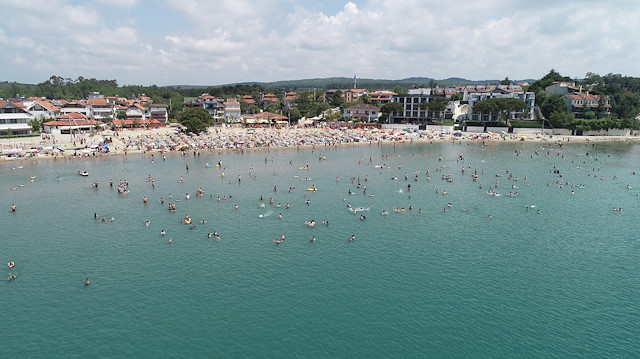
346 82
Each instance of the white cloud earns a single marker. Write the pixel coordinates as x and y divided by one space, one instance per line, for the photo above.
126 4
213 42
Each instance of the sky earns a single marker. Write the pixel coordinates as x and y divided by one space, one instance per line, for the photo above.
214 42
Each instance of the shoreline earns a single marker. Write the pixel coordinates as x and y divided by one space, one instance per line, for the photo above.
163 140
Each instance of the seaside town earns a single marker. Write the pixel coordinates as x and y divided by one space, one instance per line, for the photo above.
39 126
319 179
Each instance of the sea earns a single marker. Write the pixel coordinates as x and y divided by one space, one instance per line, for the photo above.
539 257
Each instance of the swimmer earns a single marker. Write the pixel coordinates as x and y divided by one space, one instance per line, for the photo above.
162 232
209 235
170 241
11 264
313 239
86 281
147 223
353 236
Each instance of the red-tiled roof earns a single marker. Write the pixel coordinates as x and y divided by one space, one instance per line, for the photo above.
268 115
73 116
57 123
101 102
146 121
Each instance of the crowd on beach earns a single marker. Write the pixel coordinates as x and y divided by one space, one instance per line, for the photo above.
241 139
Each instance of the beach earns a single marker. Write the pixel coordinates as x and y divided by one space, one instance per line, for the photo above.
237 138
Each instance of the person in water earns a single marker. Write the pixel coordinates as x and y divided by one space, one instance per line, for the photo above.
86 281
11 264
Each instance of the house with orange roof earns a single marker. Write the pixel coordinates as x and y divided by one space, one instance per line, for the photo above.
136 111
102 108
288 99
248 100
351 95
72 123
381 97
269 98
41 108
581 102
211 104
159 113
14 118
232 111
138 123
77 107
265 117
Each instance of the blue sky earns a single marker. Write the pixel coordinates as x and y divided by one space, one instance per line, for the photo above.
204 42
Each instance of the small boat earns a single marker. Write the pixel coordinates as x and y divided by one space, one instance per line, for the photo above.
83 173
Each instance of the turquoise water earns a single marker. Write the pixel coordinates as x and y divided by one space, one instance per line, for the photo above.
456 284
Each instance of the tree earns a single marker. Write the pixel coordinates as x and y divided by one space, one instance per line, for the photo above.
561 119
552 104
337 99
390 107
436 105
506 81
294 114
365 99
196 119
456 97
35 124
399 90
503 106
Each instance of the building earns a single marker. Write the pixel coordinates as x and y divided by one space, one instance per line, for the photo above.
248 100
412 111
581 102
41 108
353 94
265 118
476 93
102 109
362 112
80 107
14 119
72 122
578 101
159 113
144 123
562 88
136 112
288 99
231 110
268 99
381 97
211 103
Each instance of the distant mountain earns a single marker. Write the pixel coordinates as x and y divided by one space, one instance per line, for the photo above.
346 82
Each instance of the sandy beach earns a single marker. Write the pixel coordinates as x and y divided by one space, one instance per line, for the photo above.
240 139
